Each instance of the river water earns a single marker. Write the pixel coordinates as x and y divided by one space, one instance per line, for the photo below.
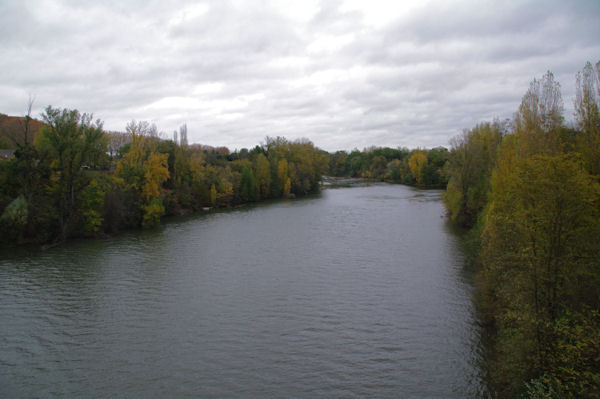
357 293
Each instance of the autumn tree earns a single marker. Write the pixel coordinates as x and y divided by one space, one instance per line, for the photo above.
156 172
416 163
263 175
213 195
144 170
537 209
540 256
283 177
305 167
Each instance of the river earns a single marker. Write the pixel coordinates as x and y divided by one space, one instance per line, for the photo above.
357 292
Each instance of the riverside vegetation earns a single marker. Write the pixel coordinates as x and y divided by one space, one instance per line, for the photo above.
70 178
74 179
530 193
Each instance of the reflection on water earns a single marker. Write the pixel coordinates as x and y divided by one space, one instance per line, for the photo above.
358 292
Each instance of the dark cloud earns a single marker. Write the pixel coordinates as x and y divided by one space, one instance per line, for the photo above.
345 74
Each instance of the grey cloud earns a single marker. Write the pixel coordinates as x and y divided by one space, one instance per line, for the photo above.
237 72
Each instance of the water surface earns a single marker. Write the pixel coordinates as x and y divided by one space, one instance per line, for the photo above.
358 292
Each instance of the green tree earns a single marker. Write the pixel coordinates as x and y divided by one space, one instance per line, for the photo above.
71 139
394 170
14 219
471 161
354 163
153 212
249 188
337 164
378 167
92 208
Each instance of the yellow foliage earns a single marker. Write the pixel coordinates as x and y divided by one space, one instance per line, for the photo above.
282 175
130 167
213 195
225 197
263 175
416 163
152 213
287 186
156 173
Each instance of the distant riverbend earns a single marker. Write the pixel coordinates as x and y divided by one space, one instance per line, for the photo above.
357 292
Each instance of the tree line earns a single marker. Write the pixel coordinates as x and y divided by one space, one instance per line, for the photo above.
419 167
73 179
529 190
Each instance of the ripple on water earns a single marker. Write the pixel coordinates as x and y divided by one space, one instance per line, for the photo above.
354 293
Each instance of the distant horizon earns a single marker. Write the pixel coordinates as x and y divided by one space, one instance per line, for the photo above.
165 136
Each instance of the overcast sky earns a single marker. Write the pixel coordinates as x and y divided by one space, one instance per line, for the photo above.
345 74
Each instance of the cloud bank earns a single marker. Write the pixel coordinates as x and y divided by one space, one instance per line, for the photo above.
346 74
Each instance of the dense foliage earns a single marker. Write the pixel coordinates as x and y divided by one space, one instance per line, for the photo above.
425 168
531 193
75 179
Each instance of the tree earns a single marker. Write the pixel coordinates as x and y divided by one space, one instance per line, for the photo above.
14 218
540 117
337 163
541 265
263 175
248 189
587 114
394 170
144 170
283 177
92 208
116 140
152 213
156 172
416 163
213 195
354 163
471 162
26 124
70 138
378 167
